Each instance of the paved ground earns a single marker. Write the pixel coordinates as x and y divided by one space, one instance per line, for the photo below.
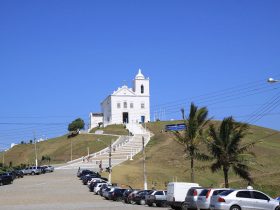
59 190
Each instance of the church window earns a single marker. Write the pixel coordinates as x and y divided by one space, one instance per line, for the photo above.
118 105
131 105
142 106
142 89
125 105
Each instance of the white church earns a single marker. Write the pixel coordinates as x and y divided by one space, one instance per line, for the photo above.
125 105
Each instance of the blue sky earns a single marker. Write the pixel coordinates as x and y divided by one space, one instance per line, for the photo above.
60 59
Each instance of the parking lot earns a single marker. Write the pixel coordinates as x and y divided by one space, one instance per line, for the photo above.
59 190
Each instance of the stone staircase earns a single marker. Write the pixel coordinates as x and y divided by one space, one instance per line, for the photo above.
124 148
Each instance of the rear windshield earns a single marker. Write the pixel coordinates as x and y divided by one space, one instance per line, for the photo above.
204 192
217 192
227 192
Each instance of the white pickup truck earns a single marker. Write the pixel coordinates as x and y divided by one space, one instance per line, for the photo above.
176 193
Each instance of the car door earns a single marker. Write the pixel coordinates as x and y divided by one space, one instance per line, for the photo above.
262 201
245 200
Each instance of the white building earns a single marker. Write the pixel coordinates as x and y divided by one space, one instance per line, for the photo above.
127 105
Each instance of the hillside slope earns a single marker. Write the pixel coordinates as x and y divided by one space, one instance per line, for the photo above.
58 149
165 162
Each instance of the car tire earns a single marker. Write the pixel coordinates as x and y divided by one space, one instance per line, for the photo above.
277 208
142 202
235 208
32 173
158 205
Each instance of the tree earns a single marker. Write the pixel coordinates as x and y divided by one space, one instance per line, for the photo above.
191 137
76 125
226 149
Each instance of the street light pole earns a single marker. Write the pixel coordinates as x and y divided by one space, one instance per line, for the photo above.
110 159
144 164
36 159
110 162
71 150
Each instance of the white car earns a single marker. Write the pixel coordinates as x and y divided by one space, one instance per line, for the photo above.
97 188
243 200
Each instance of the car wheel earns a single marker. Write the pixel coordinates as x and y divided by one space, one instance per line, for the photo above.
142 202
184 206
158 204
277 208
150 204
32 173
235 208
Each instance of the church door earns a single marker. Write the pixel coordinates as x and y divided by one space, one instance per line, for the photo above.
125 117
142 119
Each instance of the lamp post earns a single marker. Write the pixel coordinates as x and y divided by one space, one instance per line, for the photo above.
36 158
110 159
144 164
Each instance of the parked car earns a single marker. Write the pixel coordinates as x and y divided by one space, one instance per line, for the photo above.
86 178
32 170
126 194
116 195
104 190
94 183
48 169
203 199
131 196
158 198
99 186
190 202
82 173
6 178
19 173
176 193
139 197
243 199
107 193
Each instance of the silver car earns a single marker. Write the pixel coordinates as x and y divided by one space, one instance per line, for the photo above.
203 199
32 170
243 200
191 198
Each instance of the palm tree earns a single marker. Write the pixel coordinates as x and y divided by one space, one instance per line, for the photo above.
226 149
192 135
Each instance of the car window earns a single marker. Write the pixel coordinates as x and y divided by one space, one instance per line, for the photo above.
243 194
159 193
260 196
204 192
190 192
227 192
217 192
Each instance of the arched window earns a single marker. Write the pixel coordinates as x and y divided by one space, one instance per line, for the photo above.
142 89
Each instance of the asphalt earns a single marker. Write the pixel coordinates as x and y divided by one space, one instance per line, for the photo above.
58 190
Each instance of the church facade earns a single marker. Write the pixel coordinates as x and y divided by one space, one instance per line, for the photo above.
126 105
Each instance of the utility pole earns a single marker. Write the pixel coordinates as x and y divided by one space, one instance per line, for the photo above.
36 159
3 157
71 149
110 162
144 164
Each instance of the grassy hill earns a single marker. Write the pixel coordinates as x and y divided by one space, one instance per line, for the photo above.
58 149
165 162
112 129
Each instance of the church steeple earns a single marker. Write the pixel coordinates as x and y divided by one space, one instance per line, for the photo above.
139 75
141 85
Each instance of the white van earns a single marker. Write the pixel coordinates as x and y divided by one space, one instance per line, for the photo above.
176 193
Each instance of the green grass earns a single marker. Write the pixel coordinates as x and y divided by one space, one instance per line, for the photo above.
112 129
58 149
165 162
